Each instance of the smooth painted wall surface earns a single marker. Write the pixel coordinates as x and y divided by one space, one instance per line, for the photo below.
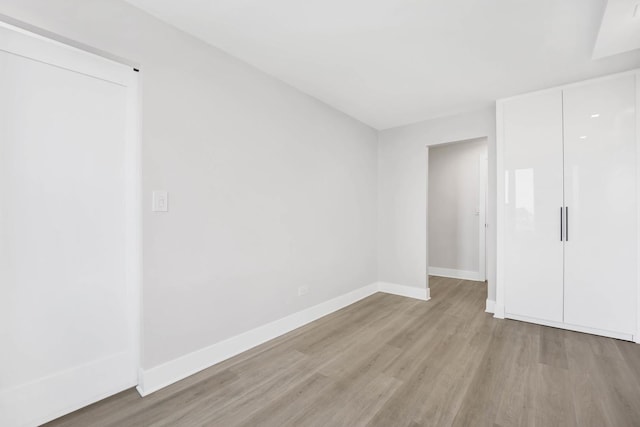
454 202
269 189
402 193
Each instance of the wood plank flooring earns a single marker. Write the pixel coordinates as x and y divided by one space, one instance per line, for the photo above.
393 361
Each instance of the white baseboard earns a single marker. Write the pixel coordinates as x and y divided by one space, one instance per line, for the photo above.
498 311
154 379
455 274
405 291
170 372
490 306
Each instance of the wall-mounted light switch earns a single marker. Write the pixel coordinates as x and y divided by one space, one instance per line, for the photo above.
160 202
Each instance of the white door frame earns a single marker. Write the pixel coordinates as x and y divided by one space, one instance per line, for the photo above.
636 337
65 56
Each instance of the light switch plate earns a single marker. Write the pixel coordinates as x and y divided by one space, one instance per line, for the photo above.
160 201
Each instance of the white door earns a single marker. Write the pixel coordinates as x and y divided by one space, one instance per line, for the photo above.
600 188
482 217
67 235
533 198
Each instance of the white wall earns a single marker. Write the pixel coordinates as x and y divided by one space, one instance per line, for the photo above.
402 193
454 200
269 189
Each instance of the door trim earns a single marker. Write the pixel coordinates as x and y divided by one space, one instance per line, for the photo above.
636 336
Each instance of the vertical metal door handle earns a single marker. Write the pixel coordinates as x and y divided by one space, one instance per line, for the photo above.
566 223
561 221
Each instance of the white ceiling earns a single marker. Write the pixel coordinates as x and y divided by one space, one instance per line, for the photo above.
620 28
394 62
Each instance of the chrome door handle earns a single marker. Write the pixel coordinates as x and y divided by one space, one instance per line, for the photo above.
566 223
561 223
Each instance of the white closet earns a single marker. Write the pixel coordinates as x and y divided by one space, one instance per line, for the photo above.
568 226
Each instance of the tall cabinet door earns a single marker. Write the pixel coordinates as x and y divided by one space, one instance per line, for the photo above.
600 193
533 199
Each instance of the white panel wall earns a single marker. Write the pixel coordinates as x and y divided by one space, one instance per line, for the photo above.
269 189
402 199
454 198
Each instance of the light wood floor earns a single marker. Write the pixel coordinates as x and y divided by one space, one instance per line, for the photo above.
393 361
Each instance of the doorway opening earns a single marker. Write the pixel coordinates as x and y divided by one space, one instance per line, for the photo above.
457 210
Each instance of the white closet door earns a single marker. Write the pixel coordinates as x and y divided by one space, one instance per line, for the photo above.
600 191
533 198
66 301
